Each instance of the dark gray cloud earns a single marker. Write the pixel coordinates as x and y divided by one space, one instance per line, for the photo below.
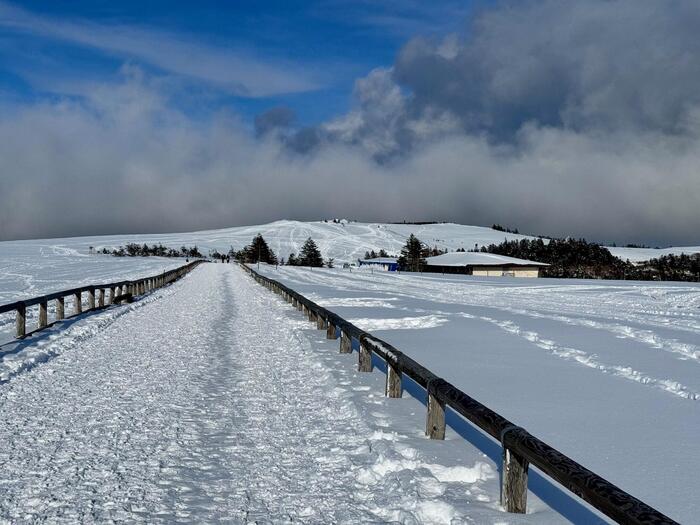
278 118
558 117
596 64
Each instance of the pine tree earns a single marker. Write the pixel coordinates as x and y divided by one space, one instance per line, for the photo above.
329 262
412 255
292 260
260 251
310 255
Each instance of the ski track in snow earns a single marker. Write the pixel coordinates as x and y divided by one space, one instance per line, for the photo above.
539 302
601 370
207 401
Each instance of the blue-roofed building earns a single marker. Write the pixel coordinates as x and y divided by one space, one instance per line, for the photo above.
388 264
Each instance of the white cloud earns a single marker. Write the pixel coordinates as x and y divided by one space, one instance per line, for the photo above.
125 161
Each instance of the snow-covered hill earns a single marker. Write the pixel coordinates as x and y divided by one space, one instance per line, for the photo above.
34 267
644 254
344 241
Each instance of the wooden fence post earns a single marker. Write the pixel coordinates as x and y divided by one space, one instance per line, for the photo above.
435 419
43 315
91 299
21 321
101 298
60 308
321 323
514 478
394 387
78 303
331 332
364 359
345 343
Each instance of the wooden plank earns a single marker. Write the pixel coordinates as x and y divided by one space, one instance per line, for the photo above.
43 315
345 344
21 321
394 387
77 303
514 482
91 299
60 308
101 298
364 359
435 418
331 332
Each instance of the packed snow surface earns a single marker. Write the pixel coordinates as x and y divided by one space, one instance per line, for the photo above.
213 401
608 372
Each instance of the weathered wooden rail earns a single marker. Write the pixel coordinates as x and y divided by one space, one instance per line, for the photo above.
97 298
520 448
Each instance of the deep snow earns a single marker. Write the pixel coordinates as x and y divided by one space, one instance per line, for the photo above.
608 372
212 400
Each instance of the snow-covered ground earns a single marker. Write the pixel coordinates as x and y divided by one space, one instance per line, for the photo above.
212 400
31 268
645 254
346 242
36 267
608 372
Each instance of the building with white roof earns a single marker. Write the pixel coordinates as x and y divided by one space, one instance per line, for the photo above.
483 264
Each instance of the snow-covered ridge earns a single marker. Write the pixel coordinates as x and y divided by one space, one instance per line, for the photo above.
344 241
645 254
35 267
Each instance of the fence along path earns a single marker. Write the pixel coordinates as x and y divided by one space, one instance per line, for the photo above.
520 448
122 291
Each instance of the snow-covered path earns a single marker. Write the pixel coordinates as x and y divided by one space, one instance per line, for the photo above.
212 401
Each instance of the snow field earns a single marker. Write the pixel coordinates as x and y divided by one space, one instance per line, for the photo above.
212 400
604 371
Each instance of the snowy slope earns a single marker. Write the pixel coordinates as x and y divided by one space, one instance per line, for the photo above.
644 254
604 371
344 242
33 267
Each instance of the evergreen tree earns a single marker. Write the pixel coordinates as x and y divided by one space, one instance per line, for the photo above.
329 262
412 255
292 260
259 251
310 255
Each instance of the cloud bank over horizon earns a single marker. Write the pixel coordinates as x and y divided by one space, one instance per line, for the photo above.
559 118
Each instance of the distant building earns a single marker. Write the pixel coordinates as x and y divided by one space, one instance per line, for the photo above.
388 264
483 264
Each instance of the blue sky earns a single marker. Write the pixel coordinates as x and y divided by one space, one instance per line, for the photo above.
245 55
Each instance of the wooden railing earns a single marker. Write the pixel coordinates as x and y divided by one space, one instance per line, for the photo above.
118 292
520 448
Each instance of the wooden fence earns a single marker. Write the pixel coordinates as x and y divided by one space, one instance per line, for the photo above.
520 448
97 298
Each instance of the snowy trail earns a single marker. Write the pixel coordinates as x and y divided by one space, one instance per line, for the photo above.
214 401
